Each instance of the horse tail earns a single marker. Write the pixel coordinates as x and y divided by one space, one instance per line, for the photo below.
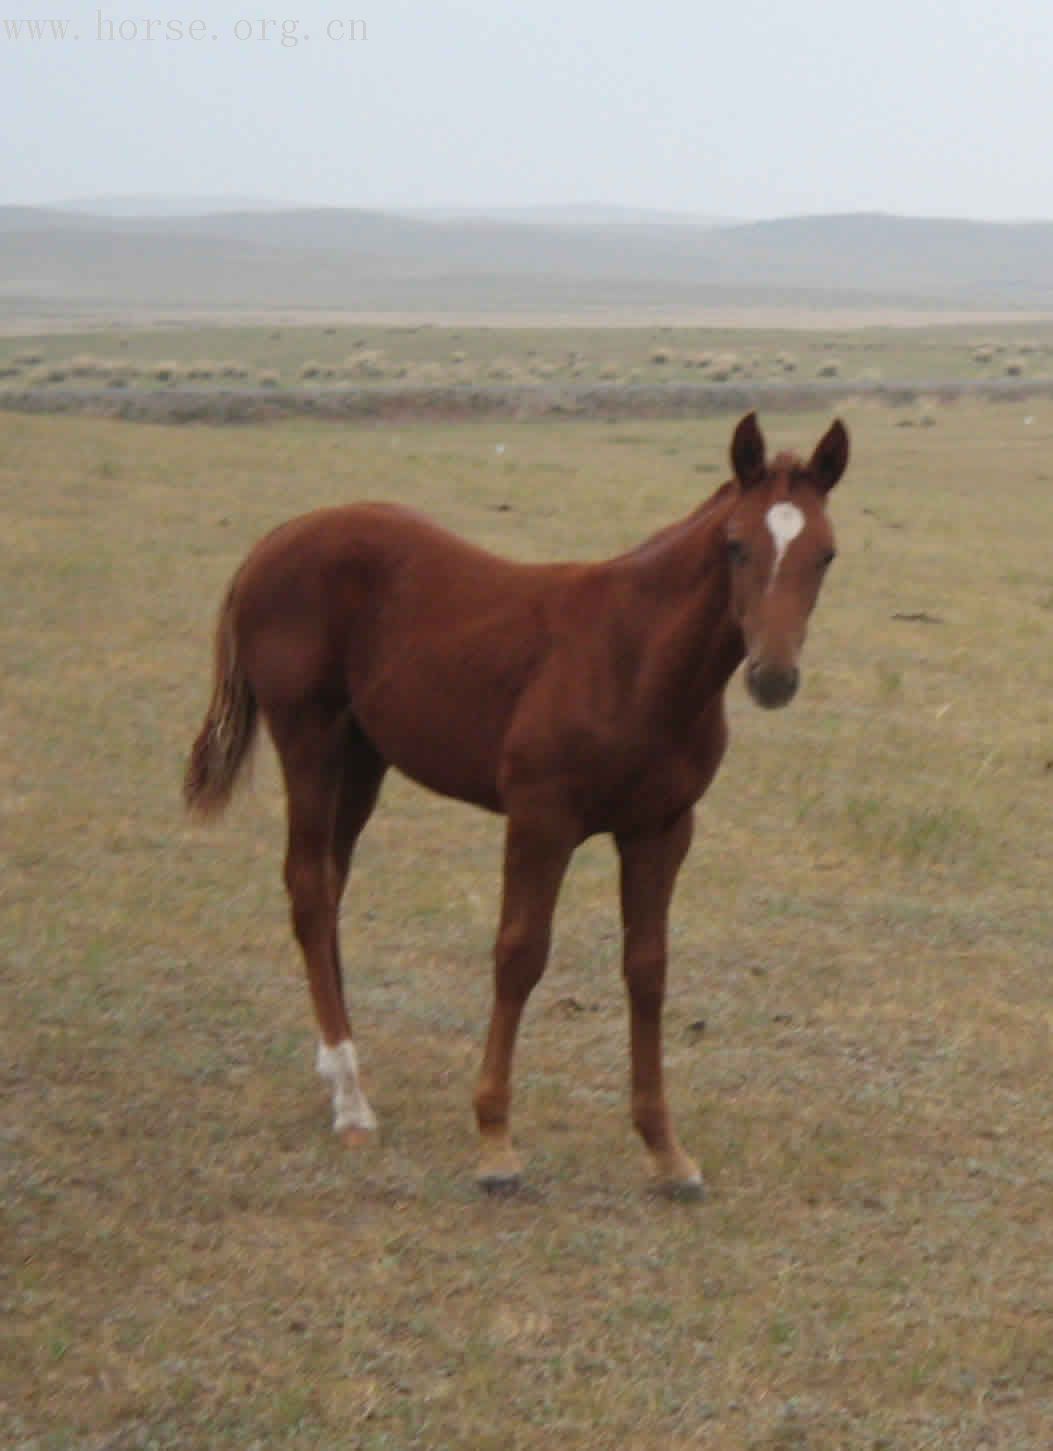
229 729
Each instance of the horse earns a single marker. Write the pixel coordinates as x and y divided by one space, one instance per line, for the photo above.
573 698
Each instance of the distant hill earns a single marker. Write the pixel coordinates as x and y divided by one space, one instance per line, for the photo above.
584 214
573 215
338 258
162 206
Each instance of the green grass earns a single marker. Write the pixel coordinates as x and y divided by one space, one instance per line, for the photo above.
864 925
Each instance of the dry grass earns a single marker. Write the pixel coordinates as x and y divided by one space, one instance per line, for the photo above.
190 1258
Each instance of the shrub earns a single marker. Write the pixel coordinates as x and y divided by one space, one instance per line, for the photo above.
366 364
725 367
84 366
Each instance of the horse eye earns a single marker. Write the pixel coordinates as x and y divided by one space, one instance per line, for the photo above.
737 551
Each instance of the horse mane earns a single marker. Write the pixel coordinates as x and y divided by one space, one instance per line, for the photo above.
672 532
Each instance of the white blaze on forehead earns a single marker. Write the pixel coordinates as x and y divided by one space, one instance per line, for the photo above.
785 522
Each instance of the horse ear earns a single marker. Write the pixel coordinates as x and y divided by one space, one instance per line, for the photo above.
831 456
747 452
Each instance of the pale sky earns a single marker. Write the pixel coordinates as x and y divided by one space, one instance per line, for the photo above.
753 108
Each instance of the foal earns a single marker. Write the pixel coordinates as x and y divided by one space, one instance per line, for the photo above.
572 698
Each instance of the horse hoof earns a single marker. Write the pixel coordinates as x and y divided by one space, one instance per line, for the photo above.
356 1137
500 1186
682 1191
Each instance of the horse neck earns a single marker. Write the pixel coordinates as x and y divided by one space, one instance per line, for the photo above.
677 590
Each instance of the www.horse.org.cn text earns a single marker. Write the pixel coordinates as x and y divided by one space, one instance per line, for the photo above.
110 28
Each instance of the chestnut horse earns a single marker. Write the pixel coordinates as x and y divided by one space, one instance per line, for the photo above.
572 698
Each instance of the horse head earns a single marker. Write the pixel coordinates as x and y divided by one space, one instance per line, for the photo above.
779 545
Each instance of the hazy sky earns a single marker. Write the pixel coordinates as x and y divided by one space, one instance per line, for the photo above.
750 108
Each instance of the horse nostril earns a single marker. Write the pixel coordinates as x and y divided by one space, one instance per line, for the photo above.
771 685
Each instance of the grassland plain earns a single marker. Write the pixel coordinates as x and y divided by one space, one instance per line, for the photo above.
859 1020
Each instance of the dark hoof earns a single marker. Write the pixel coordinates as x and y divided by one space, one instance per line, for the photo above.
500 1186
682 1191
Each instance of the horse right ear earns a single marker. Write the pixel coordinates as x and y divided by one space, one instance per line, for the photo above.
747 452
831 456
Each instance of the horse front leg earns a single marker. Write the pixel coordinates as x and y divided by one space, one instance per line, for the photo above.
649 867
536 858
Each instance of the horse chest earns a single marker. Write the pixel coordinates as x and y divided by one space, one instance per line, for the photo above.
661 790
633 787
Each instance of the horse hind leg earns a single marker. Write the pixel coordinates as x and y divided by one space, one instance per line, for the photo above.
312 749
360 780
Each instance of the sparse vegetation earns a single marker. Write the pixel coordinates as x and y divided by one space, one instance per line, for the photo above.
306 356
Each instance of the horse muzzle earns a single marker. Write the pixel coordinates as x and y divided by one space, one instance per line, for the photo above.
772 686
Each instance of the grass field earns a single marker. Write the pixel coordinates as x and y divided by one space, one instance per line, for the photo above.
859 1021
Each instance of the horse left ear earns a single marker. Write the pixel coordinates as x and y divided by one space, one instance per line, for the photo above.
747 452
831 456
